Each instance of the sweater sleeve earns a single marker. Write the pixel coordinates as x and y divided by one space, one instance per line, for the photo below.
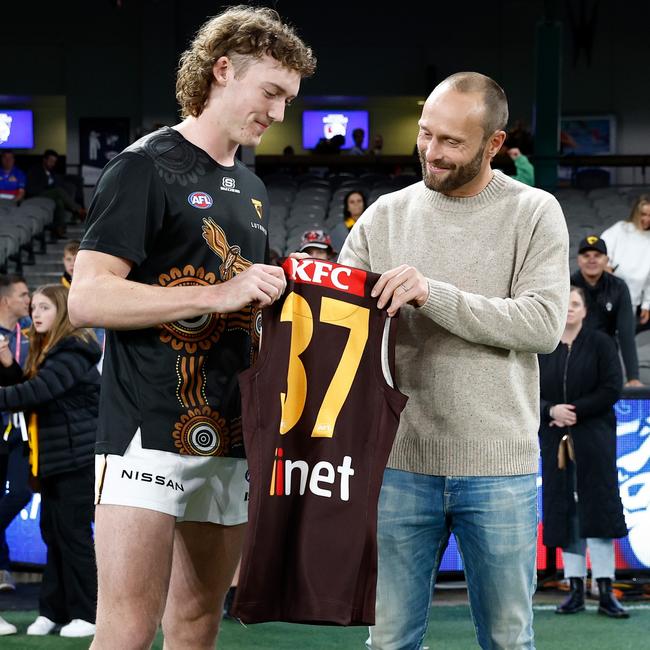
610 380
58 374
625 328
532 320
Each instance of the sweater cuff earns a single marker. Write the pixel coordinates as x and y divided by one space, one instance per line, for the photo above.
442 304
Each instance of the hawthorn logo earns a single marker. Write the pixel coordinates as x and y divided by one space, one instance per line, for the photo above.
312 478
258 207
200 200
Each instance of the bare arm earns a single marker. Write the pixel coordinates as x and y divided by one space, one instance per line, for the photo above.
101 296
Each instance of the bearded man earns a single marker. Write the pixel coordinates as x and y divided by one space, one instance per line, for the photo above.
478 264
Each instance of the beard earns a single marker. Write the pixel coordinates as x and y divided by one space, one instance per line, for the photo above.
458 175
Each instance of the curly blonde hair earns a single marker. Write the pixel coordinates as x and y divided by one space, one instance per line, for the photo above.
242 33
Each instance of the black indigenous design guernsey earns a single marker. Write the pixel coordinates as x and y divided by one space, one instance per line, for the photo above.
319 416
182 219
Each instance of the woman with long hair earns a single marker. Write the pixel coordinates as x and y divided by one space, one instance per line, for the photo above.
58 392
354 204
628 247
580 383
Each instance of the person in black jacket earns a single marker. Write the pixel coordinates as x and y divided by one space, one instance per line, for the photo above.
580 383
609 307
59 393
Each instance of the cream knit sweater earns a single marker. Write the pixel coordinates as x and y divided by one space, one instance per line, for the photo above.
497 267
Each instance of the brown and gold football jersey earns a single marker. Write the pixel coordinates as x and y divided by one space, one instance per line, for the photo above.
320 412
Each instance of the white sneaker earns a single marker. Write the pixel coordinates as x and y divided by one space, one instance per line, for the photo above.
41 626
7 581
6 627
78 627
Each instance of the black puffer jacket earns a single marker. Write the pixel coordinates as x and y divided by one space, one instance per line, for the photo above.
590 378
65 396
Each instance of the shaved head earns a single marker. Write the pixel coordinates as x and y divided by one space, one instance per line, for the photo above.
495 103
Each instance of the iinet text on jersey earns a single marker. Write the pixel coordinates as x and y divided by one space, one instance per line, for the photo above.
322 473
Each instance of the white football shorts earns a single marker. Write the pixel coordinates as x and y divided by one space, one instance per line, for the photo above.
190 488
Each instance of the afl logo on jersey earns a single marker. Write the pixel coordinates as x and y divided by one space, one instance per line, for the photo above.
200 200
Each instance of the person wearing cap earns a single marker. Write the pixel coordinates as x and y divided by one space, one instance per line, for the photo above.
609 307
318 244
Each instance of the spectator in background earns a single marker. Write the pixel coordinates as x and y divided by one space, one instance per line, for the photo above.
357 137
525 172
628 243
318 244
42 181
59 390
354 203
511 161
70 251
377 145
12 179
14 467
580 382
609 308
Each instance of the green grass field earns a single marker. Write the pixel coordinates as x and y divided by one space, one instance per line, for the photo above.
450 628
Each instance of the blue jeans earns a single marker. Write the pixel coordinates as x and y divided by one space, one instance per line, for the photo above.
494 519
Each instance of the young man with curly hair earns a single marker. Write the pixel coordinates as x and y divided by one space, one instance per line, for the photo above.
173 265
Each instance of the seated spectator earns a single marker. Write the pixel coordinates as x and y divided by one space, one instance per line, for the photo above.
354 203
60 388
318 244
609 308
357 137
580 383
42 181
628 243
70 251
12 179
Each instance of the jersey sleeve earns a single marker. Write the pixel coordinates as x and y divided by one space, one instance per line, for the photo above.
127 210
